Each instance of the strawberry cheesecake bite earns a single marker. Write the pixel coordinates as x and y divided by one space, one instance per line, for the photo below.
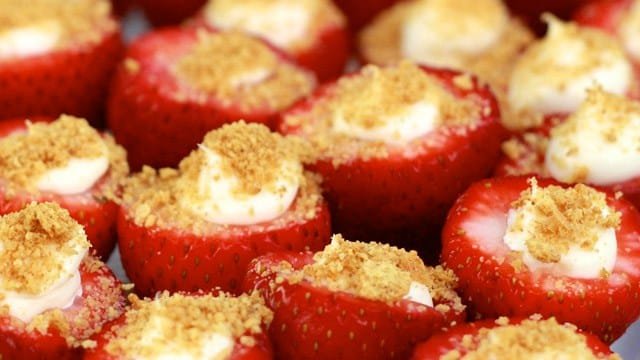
522 247
353 300
503 339
242 194
67 162
177 84
56 57
476 36
396 145
53 295
198 326
313 32
596 145
552 77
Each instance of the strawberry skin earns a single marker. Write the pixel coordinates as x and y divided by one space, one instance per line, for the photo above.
603 14
383 198
169 12
490 285
158 259
144 99
452 339
101 297
71 81
314 323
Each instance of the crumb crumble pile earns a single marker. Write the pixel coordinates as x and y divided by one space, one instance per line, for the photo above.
250 152
532 337
78 20
371 97
26 156
563 218
35 243
182 323
241 70
375 271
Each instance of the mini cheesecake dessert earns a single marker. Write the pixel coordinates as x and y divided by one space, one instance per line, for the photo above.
56 56
503 339
189 327
169 12
477 36
67 162
313 32
353 300
396 145
524 246
177 84
596 145
242 194
53 295
552 77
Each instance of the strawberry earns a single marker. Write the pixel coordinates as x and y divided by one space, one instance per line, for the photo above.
169 12
313 322
602 14
147 95
101 302
360 13
92 209
494 285
71 80
455 339
406 193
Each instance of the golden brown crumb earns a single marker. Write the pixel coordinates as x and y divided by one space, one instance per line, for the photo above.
323 14
78 20
528 153
241 70
564 218
376 271
182 323
131 65
531 338
36 244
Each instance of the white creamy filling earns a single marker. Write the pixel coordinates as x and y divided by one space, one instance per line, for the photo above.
430 36
601 161
282 23
629 30
577 263
417 120
221 205
420 294
60 295
28 41
78 176
251 78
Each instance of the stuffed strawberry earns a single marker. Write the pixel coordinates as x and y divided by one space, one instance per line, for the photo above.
242 194
56 57
67 162
521 246
395 146
313 32
514 339
198 326
169 12
177 84
353 300
53 296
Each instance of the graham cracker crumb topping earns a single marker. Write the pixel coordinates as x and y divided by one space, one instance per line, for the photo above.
377 272
531 338
238 69
183 323
35 243
78 20
562 218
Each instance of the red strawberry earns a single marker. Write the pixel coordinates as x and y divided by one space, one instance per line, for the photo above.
602 14
169 12
411 189
260 349
101 302
95 212
493 285
71 80
312 322
455 339
147 95
360 12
